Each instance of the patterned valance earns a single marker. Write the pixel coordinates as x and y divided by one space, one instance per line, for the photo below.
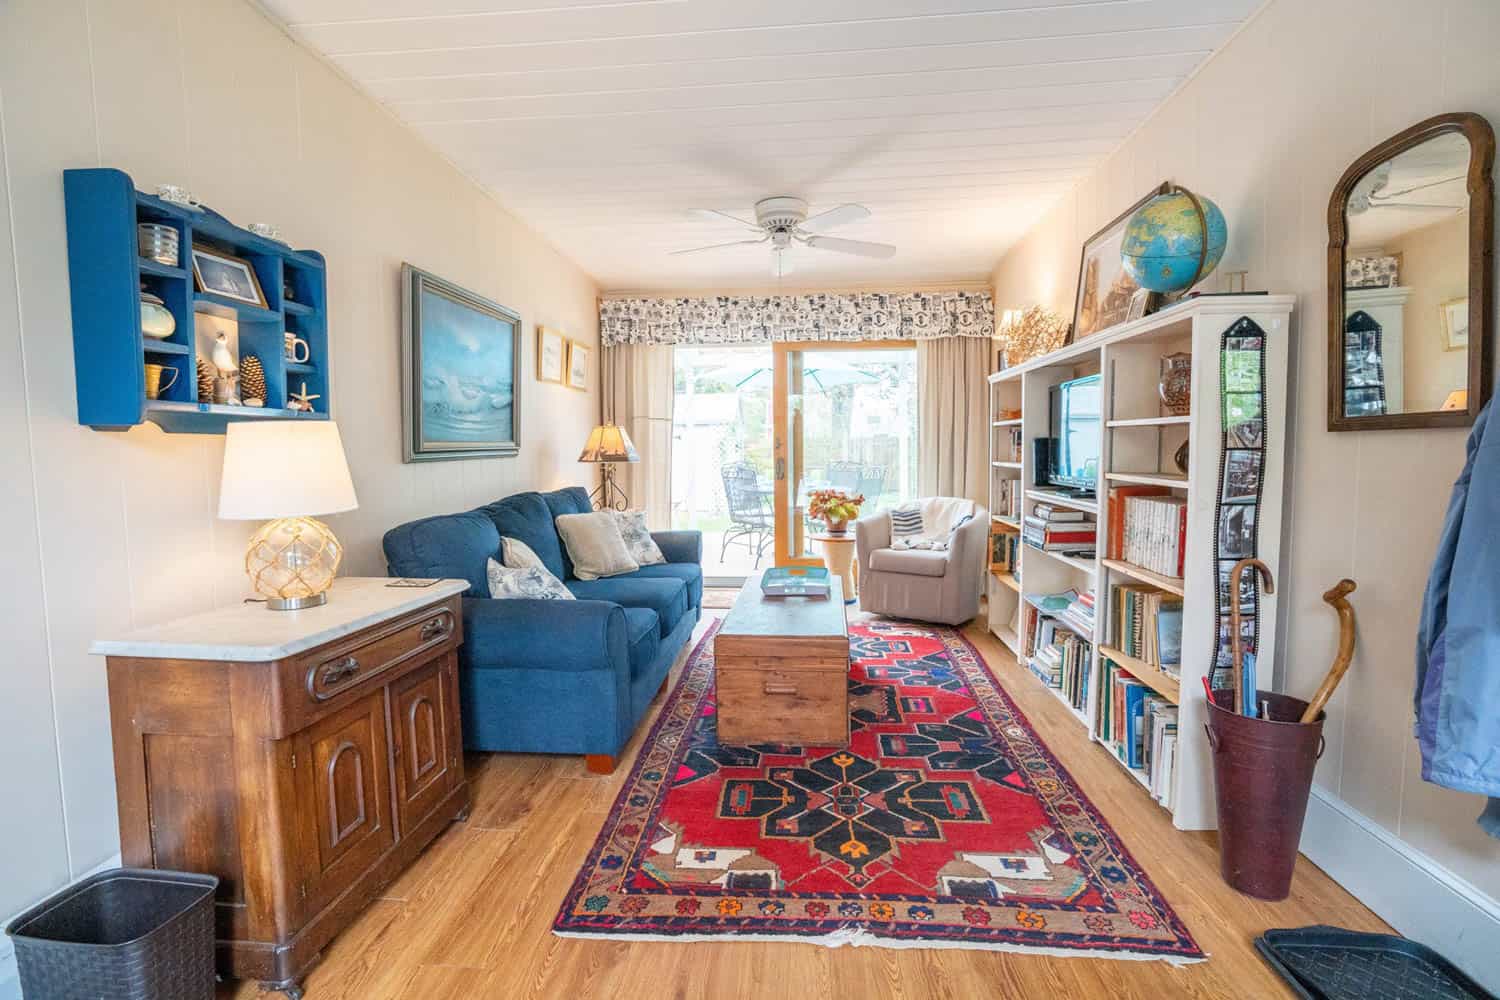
750 319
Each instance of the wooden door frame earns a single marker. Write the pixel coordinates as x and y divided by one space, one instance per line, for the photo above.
788 467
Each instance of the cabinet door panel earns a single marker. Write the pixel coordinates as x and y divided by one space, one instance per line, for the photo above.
426 750
345 791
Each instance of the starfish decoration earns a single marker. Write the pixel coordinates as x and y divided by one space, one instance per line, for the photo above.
303 400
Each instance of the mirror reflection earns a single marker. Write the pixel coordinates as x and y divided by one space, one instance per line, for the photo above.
1406 270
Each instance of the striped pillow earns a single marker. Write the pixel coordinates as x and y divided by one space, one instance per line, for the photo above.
906 521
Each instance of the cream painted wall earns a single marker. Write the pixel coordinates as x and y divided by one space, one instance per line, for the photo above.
111 531
1265 129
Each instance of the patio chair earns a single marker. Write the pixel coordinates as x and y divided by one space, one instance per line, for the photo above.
843 476
751 519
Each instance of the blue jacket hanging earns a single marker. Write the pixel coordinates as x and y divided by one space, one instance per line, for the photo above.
1458 637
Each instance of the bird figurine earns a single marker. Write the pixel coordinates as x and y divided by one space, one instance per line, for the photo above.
222 357
302 400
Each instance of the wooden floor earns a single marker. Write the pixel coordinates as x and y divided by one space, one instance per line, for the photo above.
472 918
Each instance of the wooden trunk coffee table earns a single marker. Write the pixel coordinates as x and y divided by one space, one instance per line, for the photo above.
782 669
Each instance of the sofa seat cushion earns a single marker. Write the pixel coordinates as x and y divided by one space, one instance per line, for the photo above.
912 562
690 574
526 516
642 637
668 598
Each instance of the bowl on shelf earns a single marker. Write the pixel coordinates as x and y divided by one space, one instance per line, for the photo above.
157 321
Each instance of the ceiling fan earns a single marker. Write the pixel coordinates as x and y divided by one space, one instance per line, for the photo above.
783 222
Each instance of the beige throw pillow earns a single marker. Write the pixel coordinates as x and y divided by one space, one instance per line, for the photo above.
595 545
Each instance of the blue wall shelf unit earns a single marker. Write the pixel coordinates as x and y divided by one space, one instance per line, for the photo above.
107 276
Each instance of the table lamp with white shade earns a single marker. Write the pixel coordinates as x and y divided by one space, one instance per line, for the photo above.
285 472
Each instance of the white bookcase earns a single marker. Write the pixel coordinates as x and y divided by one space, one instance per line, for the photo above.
1139 440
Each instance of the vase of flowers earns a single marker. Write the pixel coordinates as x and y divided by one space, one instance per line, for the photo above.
835 507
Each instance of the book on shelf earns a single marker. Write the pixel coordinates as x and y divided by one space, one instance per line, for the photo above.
1004 542
1115 514
1053 514
1059 536
1015 444
1005 497
1062 660
1155 533
1137 724
1148 625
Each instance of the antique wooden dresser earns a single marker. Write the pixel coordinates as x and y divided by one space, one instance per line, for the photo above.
303 757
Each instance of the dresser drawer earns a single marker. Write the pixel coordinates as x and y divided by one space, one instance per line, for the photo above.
325 679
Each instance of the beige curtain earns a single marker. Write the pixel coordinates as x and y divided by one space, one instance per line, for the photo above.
638 397
953 417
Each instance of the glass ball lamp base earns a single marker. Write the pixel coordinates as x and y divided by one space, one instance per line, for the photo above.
292 561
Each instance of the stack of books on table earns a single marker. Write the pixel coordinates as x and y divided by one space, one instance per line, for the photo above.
1148 625
795 581
1155 533
1138 724
1058 529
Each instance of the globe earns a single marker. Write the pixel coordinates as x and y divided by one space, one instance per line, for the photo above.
1165 240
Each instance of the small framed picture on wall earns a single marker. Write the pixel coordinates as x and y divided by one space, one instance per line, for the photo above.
578 365
551 355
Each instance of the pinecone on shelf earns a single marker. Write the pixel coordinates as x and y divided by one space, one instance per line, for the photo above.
206 375
252 378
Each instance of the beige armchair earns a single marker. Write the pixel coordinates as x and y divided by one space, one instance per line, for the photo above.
923 584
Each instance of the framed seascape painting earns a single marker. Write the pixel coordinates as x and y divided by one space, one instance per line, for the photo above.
460 355
1105 290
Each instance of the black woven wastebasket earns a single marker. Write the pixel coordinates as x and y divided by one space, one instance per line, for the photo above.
126 934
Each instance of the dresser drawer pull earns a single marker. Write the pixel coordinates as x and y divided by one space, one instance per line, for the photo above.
337 673
433 627
771 688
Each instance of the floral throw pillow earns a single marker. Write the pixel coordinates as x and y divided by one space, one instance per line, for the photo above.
530 581
638 541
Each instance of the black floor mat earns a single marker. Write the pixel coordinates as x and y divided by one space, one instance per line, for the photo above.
1327 963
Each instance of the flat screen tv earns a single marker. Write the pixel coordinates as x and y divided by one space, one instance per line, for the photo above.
1075 434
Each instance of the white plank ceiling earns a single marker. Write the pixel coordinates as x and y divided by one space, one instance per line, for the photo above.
602 122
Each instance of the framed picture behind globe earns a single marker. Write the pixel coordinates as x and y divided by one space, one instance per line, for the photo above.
1104 288
460 354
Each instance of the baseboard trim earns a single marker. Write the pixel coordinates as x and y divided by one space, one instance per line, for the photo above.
1405 887
10 979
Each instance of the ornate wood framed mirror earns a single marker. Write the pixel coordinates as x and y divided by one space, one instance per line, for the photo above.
1410 293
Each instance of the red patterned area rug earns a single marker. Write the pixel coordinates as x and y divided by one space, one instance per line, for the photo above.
946 823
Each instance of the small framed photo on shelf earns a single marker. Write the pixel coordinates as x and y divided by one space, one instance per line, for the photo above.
227 276
578 365
551 355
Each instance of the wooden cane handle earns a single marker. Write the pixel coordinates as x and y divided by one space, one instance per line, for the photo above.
1336 598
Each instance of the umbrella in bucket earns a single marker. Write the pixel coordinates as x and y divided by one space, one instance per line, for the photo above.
1263 766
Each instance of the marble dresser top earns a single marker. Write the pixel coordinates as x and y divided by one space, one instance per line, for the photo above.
250 632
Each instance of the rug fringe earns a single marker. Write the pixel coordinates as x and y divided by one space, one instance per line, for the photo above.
858 937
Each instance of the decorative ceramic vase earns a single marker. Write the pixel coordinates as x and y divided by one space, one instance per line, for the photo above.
836 527
1176 385
1180 458
157 321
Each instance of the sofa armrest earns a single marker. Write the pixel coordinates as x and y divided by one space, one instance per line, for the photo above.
871 533
680 546
526 634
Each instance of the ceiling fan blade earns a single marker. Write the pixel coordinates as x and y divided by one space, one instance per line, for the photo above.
781 264
835 217
860 247
714 215
720 246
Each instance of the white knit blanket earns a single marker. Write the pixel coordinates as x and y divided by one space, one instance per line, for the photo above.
940 517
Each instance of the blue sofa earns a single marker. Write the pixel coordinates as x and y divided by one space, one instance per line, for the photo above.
555 676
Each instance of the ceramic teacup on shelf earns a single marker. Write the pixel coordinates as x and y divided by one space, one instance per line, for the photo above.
297 349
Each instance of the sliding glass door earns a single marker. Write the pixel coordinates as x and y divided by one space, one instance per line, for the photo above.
721 457
846 418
